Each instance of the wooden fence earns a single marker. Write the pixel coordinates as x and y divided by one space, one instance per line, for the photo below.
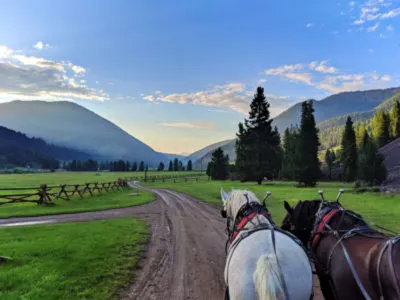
174 178
46 195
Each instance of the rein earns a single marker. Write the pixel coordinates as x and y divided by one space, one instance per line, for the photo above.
322 221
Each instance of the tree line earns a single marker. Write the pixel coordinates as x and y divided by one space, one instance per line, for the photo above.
260 155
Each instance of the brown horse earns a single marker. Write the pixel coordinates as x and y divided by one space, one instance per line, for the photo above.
352 260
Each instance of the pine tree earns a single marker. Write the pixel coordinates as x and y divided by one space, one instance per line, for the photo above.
360 131
189 166
395 120
290 161
161 167
176 164
381 128
258 147
309 166
371 168
171 166
134 166
348 154
330 158
180 166
219 165
141 166
127 166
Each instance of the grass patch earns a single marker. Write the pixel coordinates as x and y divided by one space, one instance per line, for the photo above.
35 180
91 260
98 202
379 208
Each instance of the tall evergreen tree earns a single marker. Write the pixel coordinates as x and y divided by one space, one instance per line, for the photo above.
170 166
161 167
290 161
371 168
381 128
176 164
258 147
127 166
348 153
309 166
141 166
134 166
189 166
395 120
219 168
330 158
360 131
180 166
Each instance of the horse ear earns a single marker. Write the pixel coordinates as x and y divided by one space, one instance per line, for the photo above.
224 195
287 207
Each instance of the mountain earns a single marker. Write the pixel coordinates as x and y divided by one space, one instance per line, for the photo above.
71 125
330 113
16 149
203 156
336 105
200 153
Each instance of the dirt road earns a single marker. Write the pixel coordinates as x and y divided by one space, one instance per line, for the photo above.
186 257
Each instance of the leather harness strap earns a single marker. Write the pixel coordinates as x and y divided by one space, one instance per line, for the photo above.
321 226
245 220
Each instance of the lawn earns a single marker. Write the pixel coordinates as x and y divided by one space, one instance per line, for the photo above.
98 202
35 180
382 209
91 260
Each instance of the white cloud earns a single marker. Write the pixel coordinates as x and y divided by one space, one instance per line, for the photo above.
374 10
299 77
358 22
382 36
386 78
41 46
371 50
352 3
322 67
390 14
232 95
262 80
191 125
31 77
283 69
373 28
389 28
158 92
309 25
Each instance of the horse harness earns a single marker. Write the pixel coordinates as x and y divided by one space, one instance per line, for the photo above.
323 218
245 215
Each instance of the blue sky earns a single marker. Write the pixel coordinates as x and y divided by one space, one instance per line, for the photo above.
179 75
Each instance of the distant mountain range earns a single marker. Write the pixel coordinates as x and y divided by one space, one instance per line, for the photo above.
330 113
18 150
70 125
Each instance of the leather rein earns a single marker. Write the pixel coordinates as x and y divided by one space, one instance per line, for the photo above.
321 226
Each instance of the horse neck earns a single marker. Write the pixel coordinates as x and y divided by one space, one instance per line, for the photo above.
237 201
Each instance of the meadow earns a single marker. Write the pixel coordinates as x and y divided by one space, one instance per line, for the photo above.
377 208
87 260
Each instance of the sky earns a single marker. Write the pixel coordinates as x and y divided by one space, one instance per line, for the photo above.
179 75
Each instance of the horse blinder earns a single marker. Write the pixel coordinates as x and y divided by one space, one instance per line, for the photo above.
223 213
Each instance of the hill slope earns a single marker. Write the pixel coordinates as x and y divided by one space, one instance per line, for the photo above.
16 149
71 125
200 153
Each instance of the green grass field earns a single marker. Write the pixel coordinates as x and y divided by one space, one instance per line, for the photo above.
35 180
98 202
381 209
91 260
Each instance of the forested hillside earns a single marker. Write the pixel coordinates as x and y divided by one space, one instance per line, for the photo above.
16 149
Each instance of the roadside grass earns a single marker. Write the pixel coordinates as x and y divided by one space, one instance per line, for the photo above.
106 200
89 260
381 209
57 178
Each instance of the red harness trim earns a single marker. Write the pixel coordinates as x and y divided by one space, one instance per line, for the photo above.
245 220
325 220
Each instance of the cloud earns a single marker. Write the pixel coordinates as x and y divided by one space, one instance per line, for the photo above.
386 78
371 50
41 46
374 10
389 28
283 69
262 80
31 77
373 28
352 3
309 25
322 67
232 95
299 77
191 125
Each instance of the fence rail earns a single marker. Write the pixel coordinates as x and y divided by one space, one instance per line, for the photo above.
46 195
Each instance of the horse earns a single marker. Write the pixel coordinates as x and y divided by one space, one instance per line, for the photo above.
352 260
263 262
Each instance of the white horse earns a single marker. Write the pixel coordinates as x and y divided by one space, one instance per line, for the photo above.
252 269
